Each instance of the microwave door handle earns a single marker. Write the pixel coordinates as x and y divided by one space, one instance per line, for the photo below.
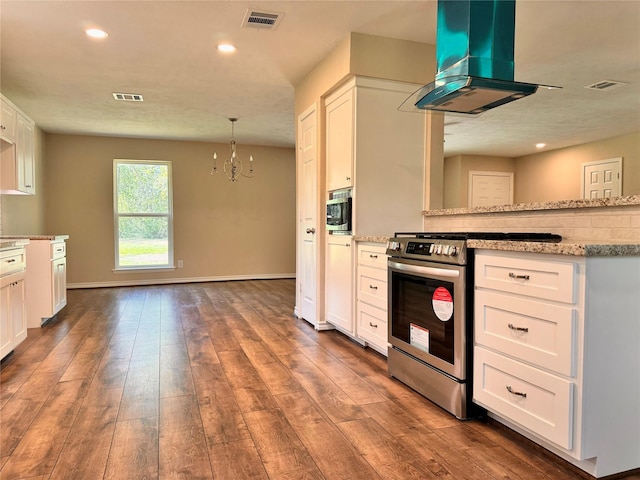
422 270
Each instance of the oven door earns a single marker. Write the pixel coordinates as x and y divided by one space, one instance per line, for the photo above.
427 313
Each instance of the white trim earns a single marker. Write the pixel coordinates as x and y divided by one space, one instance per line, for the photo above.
148 269
166 281
117 215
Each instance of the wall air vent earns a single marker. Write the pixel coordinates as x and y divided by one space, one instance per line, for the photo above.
605 85
128 97
261 20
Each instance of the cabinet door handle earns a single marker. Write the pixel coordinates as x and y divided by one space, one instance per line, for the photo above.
513 392
519 329
518 277
348 179
3 127
371 255
347 244
373 287
374 325
311 230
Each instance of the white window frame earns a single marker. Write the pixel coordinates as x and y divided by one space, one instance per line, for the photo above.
116 216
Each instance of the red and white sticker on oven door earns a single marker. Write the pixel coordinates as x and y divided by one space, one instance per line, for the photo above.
442 302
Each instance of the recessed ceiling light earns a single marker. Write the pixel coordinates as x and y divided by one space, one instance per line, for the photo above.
541 145
96 33
226 48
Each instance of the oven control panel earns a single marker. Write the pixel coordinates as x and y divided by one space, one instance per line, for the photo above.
444 251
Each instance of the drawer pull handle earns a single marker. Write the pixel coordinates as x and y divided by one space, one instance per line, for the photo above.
11 260
519 329
371 255
518 277
373 287
513 392
373 325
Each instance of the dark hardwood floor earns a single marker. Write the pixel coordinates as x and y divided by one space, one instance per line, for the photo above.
219 380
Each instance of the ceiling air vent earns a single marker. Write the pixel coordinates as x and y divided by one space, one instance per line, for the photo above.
605 85
262 20
128 97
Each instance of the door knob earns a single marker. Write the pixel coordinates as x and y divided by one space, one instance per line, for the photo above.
311 230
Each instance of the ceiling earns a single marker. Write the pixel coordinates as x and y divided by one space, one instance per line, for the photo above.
166 51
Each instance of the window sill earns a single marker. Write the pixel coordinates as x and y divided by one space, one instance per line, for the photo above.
143 269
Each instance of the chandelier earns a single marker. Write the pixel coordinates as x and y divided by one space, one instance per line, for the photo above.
233 165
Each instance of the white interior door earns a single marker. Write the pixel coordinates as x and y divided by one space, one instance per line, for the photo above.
490 188
602 179
309 228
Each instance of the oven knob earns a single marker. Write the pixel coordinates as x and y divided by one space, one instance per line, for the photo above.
439 249
453 251
432 248
445 250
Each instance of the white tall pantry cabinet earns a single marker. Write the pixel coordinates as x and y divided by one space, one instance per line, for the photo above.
378 152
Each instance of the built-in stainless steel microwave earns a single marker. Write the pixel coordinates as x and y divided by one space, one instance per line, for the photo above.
339 214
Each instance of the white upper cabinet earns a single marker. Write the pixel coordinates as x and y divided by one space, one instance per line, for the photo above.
8 116
17 154
340 136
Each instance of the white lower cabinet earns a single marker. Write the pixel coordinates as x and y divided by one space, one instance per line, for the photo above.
13 319
46 279
372 295
557 353
339 283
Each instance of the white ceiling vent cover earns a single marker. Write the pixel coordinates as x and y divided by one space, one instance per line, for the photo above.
262 20
128 97
605 85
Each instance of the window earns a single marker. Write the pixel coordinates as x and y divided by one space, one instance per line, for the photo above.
143 211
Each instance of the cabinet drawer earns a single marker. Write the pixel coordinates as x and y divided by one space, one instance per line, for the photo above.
373 256
58 250
372 325
12 261
534 278
372 286
536 400
543 334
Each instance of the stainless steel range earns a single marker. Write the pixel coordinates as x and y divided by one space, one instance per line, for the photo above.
430 314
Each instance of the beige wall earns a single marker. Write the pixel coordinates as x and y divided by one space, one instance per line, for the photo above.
456 175
547 176
221 230
25 214
555 175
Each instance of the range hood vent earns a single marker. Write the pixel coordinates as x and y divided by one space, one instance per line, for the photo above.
474 59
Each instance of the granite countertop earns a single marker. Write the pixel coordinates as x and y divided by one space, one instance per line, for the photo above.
33 237
371 238
586 249
11 244
583 249
524 207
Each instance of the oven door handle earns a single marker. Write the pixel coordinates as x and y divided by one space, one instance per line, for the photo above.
422 270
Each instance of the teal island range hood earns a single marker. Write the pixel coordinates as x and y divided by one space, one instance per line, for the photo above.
474 57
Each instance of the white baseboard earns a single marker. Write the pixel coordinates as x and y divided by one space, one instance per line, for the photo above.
166 281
